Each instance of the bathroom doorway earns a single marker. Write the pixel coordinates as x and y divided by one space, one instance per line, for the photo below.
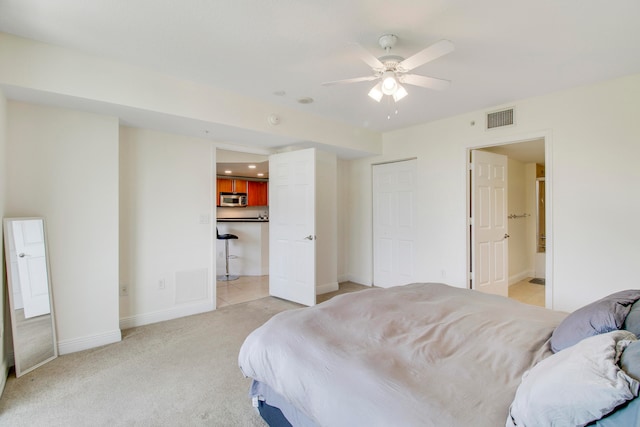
527 220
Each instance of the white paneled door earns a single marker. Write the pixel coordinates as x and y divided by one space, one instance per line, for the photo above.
489 231
394 223
292 231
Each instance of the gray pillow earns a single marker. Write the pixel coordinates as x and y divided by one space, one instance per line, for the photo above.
602 316
632 322
575 387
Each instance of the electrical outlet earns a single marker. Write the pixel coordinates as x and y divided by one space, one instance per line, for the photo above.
124 290
161 285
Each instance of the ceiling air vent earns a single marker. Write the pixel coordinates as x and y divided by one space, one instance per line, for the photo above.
500 118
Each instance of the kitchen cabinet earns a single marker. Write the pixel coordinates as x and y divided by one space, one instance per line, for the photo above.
224 185
228 185
257 193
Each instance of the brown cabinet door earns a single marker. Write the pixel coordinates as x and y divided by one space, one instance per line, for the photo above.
258 193
239 186
223 185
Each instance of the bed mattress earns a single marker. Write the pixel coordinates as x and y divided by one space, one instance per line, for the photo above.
423 354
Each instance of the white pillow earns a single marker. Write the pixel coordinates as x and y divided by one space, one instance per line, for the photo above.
576 386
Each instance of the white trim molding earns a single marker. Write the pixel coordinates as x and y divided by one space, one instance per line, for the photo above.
161 316
88 342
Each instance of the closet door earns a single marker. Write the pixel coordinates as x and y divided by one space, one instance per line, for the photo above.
394 243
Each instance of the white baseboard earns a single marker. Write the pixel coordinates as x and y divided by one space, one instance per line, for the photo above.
85 343
357 280
326 288
161 316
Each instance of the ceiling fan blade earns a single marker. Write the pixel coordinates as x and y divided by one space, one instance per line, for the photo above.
424 81
366 56
353 80
434 51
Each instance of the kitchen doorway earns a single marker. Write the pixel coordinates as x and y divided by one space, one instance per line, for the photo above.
249 224
527 162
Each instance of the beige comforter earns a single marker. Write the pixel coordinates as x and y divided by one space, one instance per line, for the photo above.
415 355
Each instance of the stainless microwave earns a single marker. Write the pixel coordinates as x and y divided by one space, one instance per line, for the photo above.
233 199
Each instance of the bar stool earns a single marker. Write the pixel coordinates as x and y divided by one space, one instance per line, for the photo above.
226 237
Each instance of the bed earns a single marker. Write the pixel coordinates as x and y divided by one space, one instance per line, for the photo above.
429 354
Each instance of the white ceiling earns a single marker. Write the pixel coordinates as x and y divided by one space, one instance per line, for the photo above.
505 50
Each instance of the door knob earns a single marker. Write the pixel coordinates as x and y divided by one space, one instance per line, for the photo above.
506 236
309 237
22 255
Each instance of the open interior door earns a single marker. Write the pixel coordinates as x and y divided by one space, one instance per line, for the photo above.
489 231
292 231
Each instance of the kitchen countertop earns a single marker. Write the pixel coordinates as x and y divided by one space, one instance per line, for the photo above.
254 219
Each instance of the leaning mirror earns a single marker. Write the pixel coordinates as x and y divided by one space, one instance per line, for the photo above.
29 289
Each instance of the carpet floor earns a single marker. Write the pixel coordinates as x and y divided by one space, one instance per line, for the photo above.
181 372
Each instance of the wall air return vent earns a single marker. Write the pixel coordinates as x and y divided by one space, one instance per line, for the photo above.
500 118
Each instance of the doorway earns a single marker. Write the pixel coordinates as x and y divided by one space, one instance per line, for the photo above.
247 252
526 266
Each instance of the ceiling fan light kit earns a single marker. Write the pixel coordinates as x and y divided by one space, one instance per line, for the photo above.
376 92
389 83
390 70
400 93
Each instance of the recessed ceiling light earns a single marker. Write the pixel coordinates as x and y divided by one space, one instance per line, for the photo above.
252 166
227 171
305 100
279 93
260 174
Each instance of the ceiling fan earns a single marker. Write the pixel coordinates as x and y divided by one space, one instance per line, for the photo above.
392 70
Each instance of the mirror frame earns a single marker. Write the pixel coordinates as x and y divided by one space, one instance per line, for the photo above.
8 234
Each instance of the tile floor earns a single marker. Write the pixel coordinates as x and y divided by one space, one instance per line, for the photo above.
528 293
248 288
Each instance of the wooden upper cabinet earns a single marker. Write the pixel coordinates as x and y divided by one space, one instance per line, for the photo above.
257 193
228 185
239 186
224 185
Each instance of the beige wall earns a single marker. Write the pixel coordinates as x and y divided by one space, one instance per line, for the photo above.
63 165
592 176
167 217
342 183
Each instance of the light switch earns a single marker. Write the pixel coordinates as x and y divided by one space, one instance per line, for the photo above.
204 219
